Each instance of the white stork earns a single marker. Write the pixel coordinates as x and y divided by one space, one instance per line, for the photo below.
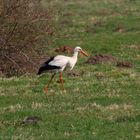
58 64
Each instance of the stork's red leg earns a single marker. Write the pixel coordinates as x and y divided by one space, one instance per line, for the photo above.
61 81
46 88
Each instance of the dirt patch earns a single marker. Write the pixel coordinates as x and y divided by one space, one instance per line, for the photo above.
68 14
66 49
31 120
90 30
105 58
101 58
124 64
120 29
65 22
104 12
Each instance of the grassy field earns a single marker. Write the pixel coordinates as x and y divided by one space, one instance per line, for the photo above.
103 103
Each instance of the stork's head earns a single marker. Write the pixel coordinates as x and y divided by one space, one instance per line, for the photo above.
79 49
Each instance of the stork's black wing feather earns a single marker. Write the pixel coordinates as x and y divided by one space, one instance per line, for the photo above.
45 66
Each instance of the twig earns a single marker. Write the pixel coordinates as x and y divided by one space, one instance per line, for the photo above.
9 35
13 61
26 56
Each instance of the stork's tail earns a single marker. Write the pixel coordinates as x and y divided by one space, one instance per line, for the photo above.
45 67
40 71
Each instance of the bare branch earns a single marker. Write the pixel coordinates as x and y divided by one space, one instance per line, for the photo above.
14 62
9 35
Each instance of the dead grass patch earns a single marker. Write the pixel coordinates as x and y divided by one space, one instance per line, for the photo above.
11 108
110 112
36 105
133 46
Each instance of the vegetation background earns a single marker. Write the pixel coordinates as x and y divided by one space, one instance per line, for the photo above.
101 96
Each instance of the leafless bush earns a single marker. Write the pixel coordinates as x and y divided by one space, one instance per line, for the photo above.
24 24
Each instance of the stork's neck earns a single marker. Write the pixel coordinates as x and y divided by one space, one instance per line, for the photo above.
75 54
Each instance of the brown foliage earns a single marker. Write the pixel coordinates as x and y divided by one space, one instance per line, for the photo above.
24 25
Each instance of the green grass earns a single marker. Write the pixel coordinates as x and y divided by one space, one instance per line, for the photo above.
100 104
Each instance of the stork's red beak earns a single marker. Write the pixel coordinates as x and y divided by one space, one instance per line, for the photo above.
84 53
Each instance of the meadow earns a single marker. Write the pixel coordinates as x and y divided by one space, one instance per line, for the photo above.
102 102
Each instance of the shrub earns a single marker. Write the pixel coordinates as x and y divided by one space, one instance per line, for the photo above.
24 26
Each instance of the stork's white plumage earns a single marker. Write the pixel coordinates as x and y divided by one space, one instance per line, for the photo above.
59 63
